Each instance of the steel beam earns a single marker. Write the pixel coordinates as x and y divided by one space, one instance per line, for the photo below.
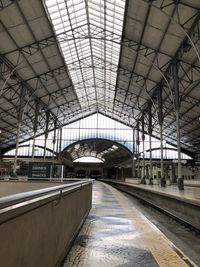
15 76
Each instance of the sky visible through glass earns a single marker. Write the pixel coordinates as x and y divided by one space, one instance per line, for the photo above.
96 126
89 33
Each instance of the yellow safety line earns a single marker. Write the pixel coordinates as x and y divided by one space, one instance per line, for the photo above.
160 247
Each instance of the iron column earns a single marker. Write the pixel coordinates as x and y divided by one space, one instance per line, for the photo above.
35 124
138 149
54 140
143 148
60 144
46 133
177 109
160 121
133 159
150 145
20 118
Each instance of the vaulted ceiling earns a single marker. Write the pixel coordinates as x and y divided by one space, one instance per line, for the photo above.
63 60
107 151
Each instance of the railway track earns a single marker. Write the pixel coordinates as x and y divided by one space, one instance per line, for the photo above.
181 221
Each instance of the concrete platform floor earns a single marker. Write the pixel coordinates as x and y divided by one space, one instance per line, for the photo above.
116 234
189 193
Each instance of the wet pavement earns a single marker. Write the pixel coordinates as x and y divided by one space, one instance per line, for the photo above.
115 235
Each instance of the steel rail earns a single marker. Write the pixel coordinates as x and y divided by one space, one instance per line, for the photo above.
183 222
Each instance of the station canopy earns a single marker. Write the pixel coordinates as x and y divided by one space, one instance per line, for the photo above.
62 60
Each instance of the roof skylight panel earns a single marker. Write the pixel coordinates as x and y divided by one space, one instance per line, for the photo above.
97 45
99 72
74 15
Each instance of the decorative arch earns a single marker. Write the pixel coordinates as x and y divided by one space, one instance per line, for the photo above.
100 148
41 147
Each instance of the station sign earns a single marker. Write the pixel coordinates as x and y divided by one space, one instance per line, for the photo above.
39 170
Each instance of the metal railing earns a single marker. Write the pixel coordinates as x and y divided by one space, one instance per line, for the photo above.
13 199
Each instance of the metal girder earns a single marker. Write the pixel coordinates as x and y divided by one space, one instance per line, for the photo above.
185 97
138 79
129 43
185 118
12 96
34 47
91 52
179 53
26 60
65 36
156 132
187 133
46 77
13 138
13 111
165 4
188 148
76 49
189 100
104 64
138 47
6 68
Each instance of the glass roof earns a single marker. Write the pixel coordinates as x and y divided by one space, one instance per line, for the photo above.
88 159
89 36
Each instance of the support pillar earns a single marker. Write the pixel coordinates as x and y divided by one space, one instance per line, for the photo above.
116 173
122 173
16 149
54 140
160 121
133 159
143 181
177 109
150 144
35 123
60 144
173 179
54 143
138 150
57 141
46 133
20 118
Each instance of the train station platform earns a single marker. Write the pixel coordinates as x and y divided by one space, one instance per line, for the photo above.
116 234
189 194
184 205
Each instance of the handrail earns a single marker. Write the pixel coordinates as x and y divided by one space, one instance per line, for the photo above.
20 197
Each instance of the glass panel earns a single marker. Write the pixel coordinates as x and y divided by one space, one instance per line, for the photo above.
101 21
97 126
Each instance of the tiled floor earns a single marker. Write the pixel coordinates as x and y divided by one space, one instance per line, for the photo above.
116 234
